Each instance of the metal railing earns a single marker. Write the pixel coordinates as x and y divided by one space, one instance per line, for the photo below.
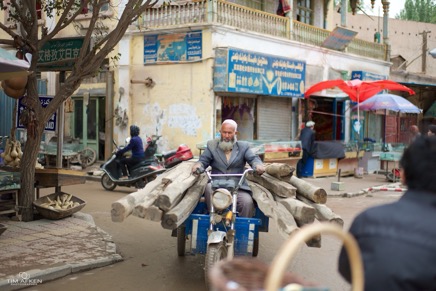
241 17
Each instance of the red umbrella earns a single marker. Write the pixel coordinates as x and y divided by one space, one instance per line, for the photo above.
358 90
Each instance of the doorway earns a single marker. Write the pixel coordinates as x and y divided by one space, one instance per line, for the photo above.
88 123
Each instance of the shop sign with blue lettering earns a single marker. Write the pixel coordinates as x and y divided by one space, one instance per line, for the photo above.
256 73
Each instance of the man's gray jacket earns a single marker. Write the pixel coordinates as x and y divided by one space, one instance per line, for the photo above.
241 154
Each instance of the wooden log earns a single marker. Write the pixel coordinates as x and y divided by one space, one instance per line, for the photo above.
283 218
141 208
273 184
153 213
173 193
124 206
279 170
308 190
177 215
303 213
323 213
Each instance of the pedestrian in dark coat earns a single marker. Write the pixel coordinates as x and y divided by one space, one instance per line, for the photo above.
307 137
397 240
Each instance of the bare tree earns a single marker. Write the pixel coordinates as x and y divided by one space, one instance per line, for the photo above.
26 36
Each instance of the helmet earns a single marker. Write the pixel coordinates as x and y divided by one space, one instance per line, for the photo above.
134 130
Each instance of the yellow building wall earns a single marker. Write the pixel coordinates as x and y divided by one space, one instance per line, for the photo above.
180 105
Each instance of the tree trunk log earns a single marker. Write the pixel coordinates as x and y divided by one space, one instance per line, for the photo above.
273 184
279 170
284 220
153 213
303 213
148 201
323 213
311 192
177 215
173 193
125 206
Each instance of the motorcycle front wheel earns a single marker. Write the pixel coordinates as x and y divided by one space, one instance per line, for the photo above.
214 253
107 183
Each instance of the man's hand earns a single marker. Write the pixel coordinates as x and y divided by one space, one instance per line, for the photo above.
260 169
197 168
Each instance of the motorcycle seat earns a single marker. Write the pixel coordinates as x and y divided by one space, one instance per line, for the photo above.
143 163
166 155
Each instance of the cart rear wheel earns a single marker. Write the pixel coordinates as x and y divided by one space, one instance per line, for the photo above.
214 253
181 240
87 157
255 247
107 183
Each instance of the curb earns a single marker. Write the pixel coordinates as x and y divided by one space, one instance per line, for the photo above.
37 276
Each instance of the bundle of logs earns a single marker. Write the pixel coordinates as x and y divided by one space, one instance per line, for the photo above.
289 201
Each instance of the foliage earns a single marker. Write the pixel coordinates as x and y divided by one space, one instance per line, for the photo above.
418 10
101 34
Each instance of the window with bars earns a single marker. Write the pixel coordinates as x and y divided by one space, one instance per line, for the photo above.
305 11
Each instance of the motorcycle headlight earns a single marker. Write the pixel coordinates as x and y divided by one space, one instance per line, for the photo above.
221 199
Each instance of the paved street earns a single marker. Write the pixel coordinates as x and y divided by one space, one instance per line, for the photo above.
149 258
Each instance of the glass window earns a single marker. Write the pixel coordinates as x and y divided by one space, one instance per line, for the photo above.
304 11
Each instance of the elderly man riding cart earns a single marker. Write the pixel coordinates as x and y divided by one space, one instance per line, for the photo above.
227 221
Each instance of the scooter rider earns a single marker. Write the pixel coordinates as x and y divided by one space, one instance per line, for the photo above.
137 148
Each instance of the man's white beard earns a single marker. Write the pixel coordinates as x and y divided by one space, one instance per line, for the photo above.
227 145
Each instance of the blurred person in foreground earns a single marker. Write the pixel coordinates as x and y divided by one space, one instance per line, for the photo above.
229 156
431 130
397 240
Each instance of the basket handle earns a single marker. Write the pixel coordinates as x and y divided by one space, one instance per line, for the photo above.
290 247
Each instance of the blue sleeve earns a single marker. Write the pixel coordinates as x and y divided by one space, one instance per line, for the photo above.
126 148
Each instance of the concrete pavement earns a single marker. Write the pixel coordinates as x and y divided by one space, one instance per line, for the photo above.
32 253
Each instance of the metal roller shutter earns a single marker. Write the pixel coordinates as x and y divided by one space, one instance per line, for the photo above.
274 118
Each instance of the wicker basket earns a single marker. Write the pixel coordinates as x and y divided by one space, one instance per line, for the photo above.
56 214
247 274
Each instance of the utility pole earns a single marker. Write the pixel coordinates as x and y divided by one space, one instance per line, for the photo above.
424 50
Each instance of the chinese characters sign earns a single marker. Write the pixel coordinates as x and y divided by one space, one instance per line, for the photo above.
177 47
242 71
57 50
45 100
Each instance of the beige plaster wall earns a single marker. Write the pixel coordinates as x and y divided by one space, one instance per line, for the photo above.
180 106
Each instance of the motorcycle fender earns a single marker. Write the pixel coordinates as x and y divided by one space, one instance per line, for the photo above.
216 237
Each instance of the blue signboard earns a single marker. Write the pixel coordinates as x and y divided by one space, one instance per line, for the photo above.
45 100
367 76
176 47
249 72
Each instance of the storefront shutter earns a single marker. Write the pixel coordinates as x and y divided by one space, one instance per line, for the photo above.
274 118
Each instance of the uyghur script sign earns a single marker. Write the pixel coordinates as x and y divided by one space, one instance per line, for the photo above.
174 48
63 51
242 71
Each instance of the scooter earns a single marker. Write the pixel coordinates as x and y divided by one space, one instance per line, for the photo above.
140 174
175 157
